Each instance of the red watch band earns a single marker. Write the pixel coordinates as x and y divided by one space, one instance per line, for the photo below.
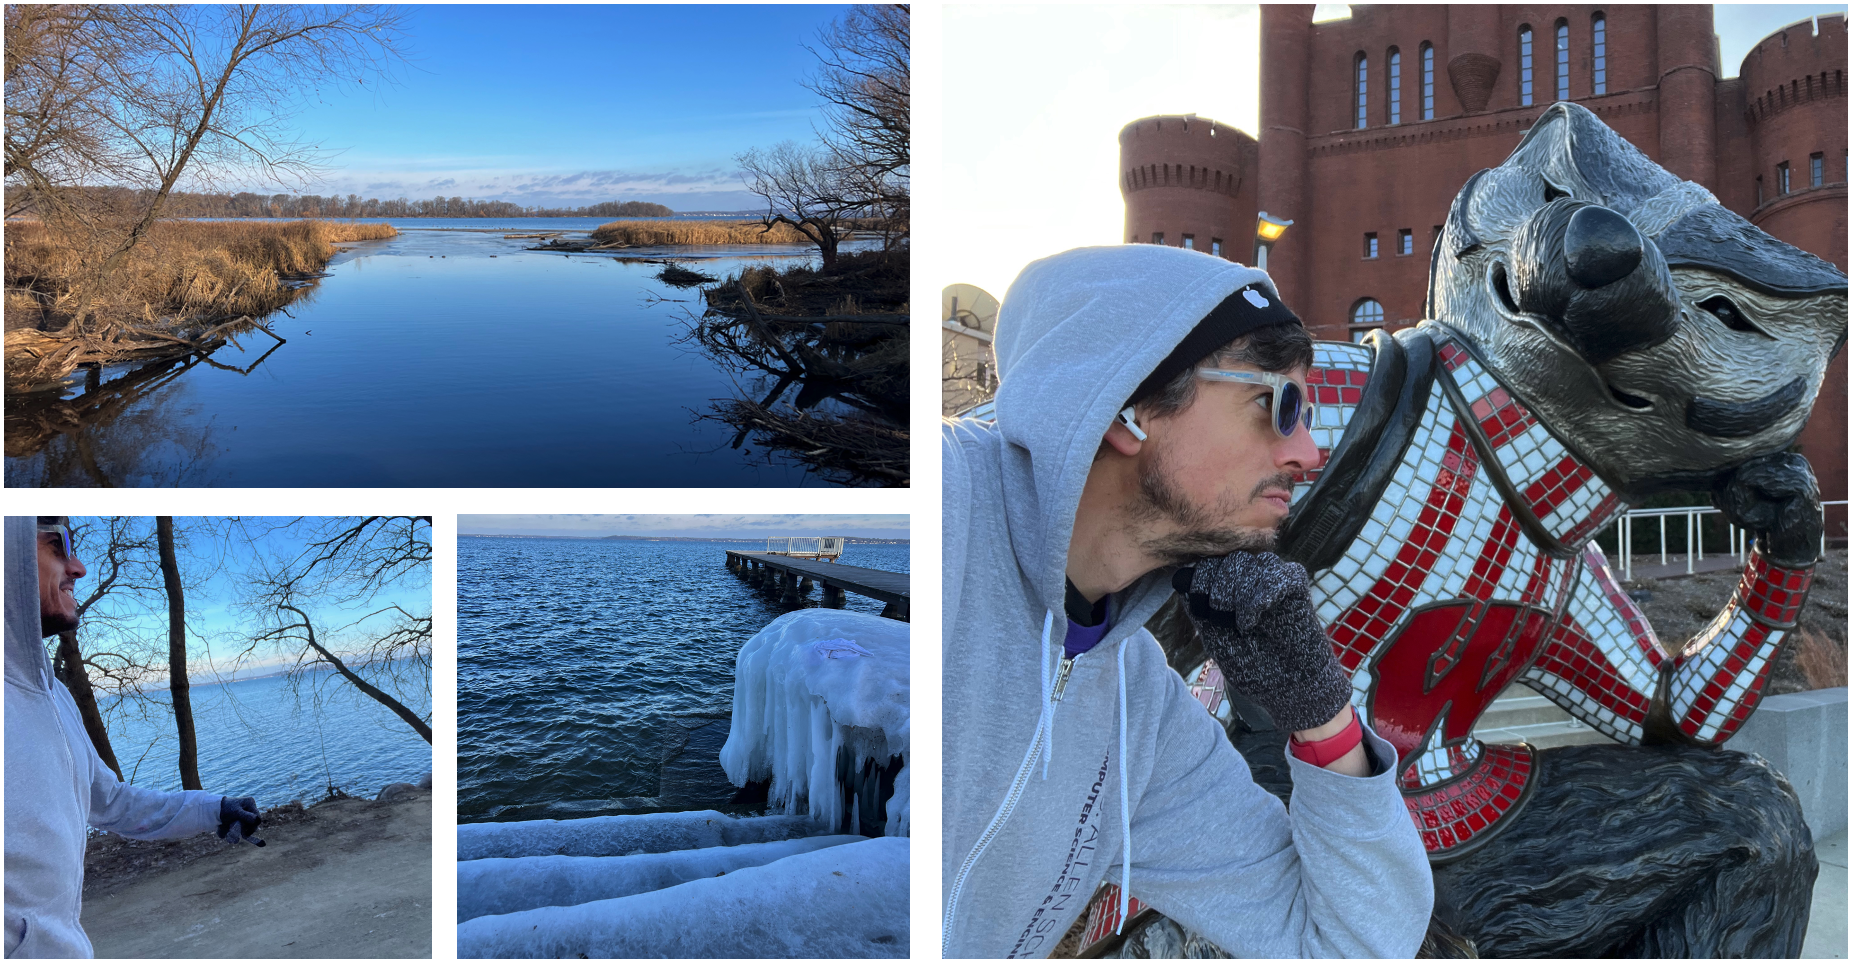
1321 753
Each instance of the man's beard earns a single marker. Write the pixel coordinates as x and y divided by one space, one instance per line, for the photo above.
51 624
1197 536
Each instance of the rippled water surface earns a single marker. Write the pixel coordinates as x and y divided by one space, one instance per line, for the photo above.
441 357
265 739
572 653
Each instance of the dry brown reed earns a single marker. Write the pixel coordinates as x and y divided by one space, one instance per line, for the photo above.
694 232
183 271
1822 662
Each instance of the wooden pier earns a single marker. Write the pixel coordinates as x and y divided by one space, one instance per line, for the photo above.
794 576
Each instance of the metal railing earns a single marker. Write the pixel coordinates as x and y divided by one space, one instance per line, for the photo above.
1737 539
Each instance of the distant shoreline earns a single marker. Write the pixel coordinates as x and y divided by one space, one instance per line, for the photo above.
753 540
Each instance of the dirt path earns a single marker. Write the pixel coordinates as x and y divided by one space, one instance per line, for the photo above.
348 878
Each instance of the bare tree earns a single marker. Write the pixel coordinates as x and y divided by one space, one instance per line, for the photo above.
808 188
145 95
179 686
348 563
864 79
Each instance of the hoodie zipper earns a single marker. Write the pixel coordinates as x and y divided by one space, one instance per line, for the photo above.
1003 813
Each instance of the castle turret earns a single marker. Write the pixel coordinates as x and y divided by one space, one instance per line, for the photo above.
1188 182
1688 92
1285 57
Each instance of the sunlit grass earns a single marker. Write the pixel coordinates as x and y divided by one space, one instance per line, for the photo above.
694 232
182 270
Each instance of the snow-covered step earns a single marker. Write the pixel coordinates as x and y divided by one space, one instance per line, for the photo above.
845 901
503 885
649 833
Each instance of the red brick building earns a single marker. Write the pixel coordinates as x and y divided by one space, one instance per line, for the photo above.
1370 125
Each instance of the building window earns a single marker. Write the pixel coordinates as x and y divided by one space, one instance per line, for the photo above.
1365 317
1363 91
1189 242
1758 189
1562 60
1526 67
1369 245
1215 246
1601 53
1405 241
1157 237
1781 178
1816 167
1427 81
1395 86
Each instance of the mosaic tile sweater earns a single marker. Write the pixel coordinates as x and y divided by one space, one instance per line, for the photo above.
1053 770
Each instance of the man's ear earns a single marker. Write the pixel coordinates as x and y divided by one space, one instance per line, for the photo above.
1122 440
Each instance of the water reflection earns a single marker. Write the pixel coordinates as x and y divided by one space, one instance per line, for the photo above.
440 358
821 367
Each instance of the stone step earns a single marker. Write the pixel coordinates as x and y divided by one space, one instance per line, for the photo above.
1520 715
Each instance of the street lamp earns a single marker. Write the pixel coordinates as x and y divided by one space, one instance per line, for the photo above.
1269 230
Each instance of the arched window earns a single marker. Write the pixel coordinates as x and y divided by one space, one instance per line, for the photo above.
1427 81
1363 91
1365 316
1527 68
1600 33
1395 86
1562 60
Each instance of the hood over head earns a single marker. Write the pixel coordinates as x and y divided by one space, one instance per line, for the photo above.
1076 334
25 648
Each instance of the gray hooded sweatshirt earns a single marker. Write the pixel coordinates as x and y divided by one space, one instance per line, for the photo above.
1055 772
56 785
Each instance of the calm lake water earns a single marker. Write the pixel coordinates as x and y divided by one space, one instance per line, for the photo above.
260 738
573 653
443 357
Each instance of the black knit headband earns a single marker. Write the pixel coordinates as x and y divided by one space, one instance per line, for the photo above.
1247 309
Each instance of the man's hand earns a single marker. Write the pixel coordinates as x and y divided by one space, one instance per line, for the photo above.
238 819
1254 611
1775 497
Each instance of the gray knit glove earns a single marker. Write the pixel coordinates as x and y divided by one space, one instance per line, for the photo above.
1254 612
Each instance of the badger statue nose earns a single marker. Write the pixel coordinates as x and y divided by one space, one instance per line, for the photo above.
1600 247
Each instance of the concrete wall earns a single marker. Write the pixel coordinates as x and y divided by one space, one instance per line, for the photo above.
1804 736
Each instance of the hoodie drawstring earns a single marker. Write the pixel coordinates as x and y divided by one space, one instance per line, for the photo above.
1125 810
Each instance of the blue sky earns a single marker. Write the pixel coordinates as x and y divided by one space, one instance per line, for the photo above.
214 569
688 526
572 105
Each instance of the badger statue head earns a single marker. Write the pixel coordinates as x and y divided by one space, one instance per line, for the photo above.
1663 338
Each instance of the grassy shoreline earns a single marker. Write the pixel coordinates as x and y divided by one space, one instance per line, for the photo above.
184 275
656 233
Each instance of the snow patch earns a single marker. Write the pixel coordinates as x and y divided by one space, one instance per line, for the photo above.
809 684
503 885
648 833
846 901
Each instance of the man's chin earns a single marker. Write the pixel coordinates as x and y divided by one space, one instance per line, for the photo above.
1183 548
51 624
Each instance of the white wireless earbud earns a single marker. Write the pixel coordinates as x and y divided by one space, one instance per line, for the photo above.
1129 418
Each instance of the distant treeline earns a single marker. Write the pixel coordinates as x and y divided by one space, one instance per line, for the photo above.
245 204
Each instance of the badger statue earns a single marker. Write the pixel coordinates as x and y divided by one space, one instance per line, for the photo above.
1598 331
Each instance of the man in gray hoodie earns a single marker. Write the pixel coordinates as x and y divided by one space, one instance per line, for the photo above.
56 785
1149 416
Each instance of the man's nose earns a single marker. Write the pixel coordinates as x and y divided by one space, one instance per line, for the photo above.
74 567
1297 452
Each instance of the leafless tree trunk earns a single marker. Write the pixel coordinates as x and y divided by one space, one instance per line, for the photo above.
381 696
177 682
69 668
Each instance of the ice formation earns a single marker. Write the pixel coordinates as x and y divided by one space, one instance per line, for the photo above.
648 833
846 901
805 686
503 885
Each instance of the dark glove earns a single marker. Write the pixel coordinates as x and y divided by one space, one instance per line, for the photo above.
1254 613
238 819
1775 497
